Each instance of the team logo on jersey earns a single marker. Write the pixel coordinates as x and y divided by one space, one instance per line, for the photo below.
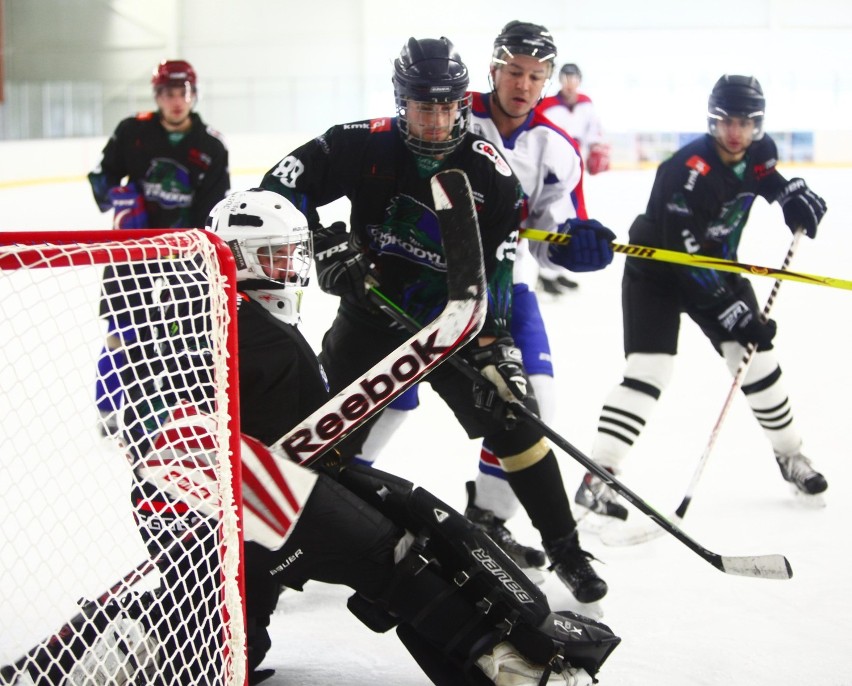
410 230
698 164
698 168
168 184
377 125
487 149
761 171
199 158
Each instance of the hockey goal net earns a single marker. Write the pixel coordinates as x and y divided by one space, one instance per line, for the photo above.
102 578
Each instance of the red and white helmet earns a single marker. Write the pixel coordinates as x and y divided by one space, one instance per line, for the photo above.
175 74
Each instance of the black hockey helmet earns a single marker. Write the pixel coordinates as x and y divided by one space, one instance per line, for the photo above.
736 96
524 38
429 70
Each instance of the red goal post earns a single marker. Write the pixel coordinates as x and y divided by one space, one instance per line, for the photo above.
159 307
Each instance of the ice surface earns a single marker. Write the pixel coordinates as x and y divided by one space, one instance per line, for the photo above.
682 621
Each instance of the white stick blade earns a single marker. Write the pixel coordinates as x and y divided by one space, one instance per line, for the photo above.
761 566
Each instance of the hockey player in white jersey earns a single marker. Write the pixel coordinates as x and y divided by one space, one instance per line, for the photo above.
547 163
575 112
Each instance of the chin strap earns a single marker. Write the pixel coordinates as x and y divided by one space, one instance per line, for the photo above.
282 304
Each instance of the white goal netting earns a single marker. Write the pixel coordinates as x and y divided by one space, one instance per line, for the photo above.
103 579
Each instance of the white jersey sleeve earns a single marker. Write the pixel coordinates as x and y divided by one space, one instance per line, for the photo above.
548 165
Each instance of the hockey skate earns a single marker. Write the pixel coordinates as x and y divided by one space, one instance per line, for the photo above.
526 557
573 567
506 667
806 481
598 498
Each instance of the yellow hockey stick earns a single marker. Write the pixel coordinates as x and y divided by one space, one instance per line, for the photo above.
702 261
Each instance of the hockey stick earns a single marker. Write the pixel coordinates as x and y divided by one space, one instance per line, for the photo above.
622 535
54 651
458 323
702 261
762 566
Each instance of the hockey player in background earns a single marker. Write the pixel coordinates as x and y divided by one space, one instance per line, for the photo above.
355 526
384 167
161 169
575 114
699 204
547 164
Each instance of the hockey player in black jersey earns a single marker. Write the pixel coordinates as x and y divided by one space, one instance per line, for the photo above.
160 169
466 613
700 203
383 166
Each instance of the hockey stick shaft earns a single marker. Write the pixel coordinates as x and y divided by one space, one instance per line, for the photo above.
737 383
701 261
763 566
430 346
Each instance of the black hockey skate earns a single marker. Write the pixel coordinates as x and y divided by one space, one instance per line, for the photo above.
797 469
572 565
596 496
524 556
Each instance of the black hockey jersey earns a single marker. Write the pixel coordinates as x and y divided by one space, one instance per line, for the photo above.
393 218
181 182
700 205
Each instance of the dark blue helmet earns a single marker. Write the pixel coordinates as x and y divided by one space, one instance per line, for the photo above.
736 96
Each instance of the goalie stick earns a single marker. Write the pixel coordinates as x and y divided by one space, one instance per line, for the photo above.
458 323
761 566
620 534
701 261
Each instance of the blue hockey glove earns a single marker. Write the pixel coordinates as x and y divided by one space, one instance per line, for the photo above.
588 250
739 320
128 205
801 206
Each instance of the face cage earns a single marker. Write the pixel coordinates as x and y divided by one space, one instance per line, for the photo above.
713 119
301 258
434 148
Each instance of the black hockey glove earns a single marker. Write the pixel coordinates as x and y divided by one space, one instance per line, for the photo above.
500 362
746 326
801 206
588 250
341 270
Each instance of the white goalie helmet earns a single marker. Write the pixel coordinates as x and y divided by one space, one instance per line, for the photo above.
272 246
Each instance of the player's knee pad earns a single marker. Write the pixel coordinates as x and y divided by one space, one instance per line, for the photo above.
654 369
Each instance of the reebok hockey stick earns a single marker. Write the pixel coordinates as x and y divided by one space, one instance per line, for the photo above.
702 261
457 324
619 534
762 566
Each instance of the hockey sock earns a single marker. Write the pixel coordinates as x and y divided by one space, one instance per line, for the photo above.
629 406
493 491
767 397
540 490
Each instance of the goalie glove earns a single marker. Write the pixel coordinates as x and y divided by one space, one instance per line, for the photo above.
801 206
500 362
739 320
128 206
341 270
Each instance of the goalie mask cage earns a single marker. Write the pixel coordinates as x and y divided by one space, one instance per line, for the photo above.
103 580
